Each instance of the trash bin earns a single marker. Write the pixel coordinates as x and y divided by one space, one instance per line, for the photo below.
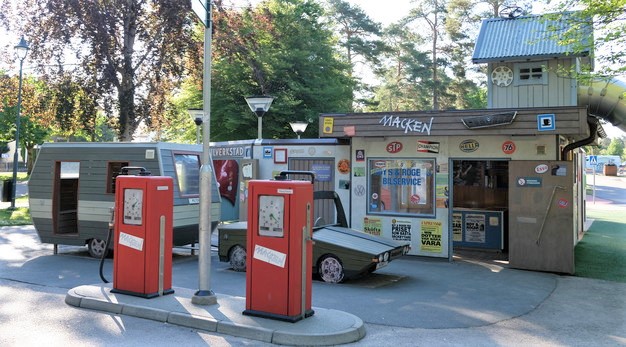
7 189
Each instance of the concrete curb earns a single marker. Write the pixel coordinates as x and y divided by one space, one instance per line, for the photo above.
325 327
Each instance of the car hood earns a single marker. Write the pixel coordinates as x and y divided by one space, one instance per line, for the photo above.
354 239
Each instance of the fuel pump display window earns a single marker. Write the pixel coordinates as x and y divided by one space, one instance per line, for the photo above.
271 215
133 206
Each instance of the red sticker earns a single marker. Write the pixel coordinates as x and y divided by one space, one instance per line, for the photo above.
394 147
563 203
508 147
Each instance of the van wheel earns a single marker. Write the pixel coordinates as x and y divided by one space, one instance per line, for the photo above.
330 269
237 258
97 248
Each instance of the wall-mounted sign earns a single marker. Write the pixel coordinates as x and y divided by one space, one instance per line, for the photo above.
328 125
542 168
469 146
267 152
545 122
360 155
409 125
394 147
489 120
529 182
427 146
323 172
508 147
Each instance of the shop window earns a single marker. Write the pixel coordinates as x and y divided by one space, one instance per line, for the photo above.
188 173
401 187
531 73
113 170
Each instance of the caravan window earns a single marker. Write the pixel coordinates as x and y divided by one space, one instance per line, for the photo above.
113 170
188 173
401 187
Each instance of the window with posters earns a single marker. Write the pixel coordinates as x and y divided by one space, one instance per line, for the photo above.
401 187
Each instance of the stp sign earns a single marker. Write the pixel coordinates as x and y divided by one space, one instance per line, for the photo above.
394 147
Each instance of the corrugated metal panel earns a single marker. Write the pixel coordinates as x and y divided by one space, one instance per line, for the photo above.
527 37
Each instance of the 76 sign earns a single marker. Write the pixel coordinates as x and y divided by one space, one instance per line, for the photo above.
508 147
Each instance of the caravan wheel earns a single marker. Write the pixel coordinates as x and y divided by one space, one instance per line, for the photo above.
97 248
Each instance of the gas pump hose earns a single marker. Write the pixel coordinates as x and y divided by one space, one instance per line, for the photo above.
106 245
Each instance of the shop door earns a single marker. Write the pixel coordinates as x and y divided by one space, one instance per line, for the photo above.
324 209
541 217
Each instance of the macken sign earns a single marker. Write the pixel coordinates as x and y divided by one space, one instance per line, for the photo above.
407 124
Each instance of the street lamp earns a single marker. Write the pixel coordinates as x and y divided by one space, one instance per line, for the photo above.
21 49
196 115
259 104
298 127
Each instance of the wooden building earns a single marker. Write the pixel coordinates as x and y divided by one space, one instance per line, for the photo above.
508 179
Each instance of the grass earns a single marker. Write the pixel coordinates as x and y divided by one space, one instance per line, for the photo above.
601 254
19 215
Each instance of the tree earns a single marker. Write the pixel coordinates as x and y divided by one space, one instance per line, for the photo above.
280 48
131 50
608 19
616 147
433 13
33 105
360 38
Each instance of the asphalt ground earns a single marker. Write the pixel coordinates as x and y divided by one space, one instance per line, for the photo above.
412 302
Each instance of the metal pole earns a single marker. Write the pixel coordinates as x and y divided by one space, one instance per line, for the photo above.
17 137
204 295
259 127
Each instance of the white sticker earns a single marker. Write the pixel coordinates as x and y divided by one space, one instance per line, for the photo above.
163 188
269 256
285 191
131 241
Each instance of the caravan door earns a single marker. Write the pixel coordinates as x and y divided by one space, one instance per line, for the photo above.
541 216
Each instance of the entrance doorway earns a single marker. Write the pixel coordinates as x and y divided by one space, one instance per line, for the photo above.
65 198
479 207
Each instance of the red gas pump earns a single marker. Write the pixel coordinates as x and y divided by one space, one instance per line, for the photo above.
142 262
278 275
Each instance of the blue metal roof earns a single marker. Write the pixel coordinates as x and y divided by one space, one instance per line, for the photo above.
527 38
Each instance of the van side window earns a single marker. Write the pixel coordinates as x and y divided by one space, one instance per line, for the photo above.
188 173
113 170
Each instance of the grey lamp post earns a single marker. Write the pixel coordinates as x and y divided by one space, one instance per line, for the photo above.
298 127
196 115
259 104
21 49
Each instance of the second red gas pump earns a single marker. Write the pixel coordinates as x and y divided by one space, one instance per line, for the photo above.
280 248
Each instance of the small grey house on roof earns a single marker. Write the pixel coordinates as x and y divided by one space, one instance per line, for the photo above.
523 56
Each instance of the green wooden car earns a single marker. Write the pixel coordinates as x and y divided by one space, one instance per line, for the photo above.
338 251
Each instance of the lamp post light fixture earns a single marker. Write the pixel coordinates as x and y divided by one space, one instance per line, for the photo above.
21 49
298 127
196 116
259 104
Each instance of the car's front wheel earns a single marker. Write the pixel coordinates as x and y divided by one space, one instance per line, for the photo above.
97 248
330 269
237 258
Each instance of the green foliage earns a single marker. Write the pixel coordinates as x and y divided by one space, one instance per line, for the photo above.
17 216
128 59
616 147
280 48
607 17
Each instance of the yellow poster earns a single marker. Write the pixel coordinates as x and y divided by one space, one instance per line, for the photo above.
372 226
431 236
328 125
